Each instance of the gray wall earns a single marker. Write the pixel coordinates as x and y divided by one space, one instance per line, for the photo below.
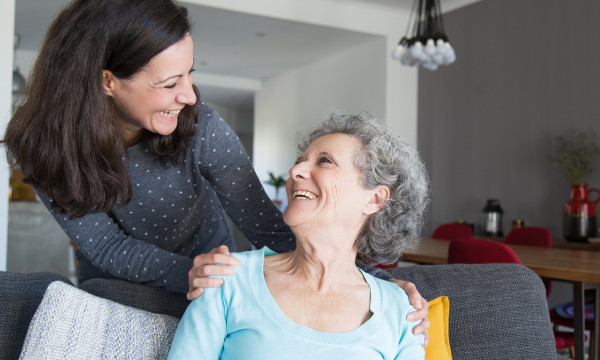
526 71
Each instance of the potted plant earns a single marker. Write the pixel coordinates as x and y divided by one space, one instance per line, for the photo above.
277 182
574 153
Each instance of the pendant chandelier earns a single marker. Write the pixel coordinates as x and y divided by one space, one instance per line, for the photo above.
427 44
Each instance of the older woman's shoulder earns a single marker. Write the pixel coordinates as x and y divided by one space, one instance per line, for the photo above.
389 291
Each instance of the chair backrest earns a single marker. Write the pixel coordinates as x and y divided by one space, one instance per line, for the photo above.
530 235
452 231
480 251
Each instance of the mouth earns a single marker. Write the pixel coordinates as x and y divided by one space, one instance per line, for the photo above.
303 195
170 113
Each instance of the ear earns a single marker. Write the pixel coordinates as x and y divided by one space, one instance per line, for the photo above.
108 82
379 196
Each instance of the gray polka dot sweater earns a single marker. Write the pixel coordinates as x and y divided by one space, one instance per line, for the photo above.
177 211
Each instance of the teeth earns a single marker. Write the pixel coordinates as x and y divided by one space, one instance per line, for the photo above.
301 195
170 112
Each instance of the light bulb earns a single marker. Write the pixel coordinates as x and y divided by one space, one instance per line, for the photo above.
398 52
430 66
438 59
430 47
417 50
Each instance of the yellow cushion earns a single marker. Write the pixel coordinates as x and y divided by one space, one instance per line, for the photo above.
438 347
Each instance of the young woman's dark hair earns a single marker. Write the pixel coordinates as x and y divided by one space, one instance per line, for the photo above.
63 134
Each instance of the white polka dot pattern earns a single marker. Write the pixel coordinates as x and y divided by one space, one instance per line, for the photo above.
177 210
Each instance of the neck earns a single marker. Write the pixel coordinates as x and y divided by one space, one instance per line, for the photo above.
132 137
320 264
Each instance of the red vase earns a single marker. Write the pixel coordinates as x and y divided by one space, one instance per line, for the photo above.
579 215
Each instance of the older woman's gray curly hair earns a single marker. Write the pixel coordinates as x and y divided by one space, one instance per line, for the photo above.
389 161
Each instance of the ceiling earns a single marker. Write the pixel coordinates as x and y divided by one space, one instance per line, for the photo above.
231 43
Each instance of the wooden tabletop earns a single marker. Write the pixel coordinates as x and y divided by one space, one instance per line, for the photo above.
559 264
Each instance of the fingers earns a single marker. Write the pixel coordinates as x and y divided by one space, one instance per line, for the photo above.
214 257
205 268
422 309
413 295
419 314
205 282
194 294
198 284
223 249
411 290
423 328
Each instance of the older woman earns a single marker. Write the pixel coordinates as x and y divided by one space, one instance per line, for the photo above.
355 191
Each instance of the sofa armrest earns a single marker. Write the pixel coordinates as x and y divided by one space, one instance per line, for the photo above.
497 311
20 296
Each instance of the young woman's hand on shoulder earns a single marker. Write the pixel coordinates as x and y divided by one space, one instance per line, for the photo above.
206 266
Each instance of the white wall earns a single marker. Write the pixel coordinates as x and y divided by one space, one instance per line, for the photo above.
7 26
297 100
241 121
288 101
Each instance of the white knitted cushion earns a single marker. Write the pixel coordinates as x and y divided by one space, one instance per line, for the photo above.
73 324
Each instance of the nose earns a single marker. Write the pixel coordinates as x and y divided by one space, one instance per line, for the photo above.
300 171
187 95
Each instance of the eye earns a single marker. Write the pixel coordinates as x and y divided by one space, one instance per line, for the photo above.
325 160
171 86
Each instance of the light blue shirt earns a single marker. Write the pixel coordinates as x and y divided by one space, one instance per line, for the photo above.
241 320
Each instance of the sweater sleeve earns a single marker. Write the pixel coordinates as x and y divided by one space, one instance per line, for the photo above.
410 346
202 329
104 243
225 164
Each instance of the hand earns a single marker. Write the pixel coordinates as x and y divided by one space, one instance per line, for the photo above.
419 303
216 262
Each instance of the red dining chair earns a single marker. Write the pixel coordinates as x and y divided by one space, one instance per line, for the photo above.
532 236
450 231
563 315
484 251
480 251
529 235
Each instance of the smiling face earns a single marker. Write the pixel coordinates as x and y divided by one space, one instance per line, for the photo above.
153 97
324 186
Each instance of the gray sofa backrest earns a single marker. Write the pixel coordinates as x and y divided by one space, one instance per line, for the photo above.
497 311
20 296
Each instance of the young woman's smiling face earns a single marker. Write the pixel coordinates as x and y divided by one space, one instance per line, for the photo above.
153 97
324 186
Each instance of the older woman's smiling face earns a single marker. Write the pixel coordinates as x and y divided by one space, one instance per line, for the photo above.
324 186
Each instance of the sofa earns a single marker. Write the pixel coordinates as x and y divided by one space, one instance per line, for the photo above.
497 311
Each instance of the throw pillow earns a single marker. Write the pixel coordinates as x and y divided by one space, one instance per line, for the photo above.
73 324
438 347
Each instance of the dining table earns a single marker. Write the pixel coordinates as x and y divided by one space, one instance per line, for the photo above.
581 268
